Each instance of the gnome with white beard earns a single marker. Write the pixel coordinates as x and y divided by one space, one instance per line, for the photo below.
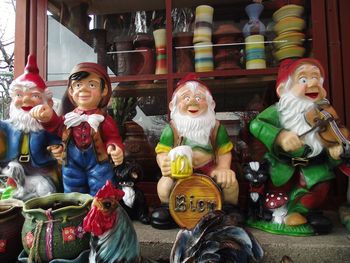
22 139
193 124
300 163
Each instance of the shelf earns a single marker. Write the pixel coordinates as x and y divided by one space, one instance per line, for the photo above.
140 90
221 83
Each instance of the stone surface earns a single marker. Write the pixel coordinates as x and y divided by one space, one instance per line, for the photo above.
331 248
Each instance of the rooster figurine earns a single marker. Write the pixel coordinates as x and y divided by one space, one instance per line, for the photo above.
216 238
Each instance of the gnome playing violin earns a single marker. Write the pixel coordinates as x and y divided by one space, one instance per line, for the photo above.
89 135
23 141
300 162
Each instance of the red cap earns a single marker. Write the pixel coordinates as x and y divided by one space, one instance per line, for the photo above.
189 77
275 200
31 74
288 66
99 70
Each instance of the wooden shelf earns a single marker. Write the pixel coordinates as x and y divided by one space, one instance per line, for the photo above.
218 82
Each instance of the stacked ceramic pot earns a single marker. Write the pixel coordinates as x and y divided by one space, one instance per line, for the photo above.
161 56
289 26
253 32
226 50
202 39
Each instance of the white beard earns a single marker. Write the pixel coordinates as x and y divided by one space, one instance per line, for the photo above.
196 129
22 120
291 112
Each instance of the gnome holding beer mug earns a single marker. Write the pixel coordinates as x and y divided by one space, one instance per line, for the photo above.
193 140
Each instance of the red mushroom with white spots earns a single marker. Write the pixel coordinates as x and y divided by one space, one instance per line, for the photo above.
277 204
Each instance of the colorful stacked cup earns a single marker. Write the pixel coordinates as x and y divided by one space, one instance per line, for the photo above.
203 24
255 52
289 42
161 58
203 57
202 36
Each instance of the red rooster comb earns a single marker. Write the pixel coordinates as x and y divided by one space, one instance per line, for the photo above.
108 190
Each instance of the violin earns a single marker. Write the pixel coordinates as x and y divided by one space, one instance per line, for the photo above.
332 132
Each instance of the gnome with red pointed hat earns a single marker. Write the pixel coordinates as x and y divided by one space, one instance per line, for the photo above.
195 132
22 139
301 163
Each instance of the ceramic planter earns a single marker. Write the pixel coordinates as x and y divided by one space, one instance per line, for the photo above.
53 226
160 43
11 221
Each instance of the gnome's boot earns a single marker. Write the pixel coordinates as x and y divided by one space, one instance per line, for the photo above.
319 222
161 218
234 211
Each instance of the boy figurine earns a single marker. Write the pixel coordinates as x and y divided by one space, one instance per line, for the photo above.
193 123
88 133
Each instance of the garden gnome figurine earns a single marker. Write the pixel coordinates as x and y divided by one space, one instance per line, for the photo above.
300 162
193 124
89 135
23 141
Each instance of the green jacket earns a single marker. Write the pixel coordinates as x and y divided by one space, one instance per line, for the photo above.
266 127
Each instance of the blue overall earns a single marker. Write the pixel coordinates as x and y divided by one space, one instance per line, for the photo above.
83 173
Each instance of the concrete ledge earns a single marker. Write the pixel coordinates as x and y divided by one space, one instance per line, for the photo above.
332 248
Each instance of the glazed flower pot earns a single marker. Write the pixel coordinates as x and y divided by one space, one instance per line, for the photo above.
183 52
160 43
203 57
53 226
254 25
203 24
11 222
255 52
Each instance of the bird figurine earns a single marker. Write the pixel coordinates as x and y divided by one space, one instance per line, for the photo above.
215 238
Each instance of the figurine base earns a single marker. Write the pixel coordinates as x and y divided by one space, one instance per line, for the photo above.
281 229
83 257
344 214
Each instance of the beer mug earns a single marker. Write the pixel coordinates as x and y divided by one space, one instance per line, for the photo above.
181 162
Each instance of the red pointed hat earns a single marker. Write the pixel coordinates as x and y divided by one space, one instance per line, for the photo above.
288 66
31 74
189 77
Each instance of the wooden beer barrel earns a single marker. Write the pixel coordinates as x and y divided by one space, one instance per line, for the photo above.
192 198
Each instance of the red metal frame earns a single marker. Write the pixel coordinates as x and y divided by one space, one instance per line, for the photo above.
21 35
335 76
344 18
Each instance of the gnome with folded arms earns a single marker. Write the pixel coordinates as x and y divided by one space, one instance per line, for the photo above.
195 133
89 135
23 141
301 163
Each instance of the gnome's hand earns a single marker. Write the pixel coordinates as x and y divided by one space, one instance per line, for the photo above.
56 151
335 151
164 164
226 178
42 113
289 141
116 154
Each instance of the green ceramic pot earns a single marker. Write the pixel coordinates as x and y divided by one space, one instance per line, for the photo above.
11 222
53 227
